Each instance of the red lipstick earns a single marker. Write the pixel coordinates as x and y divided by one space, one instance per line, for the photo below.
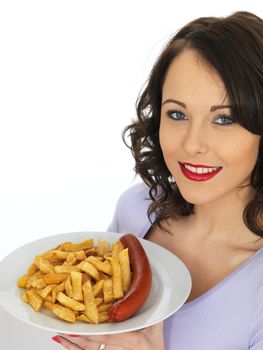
198 177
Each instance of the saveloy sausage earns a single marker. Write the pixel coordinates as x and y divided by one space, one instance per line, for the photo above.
141 281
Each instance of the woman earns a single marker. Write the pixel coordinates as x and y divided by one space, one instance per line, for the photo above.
198 148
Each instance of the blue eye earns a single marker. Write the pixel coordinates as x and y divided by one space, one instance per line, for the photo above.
176 115
222 119
225 120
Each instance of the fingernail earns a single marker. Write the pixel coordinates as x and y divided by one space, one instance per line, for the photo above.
56 339
72 335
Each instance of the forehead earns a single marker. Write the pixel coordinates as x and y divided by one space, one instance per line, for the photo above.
190 78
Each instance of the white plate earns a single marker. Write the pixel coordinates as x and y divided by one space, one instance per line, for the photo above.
170 289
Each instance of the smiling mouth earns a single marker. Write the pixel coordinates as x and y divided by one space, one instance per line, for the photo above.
199 172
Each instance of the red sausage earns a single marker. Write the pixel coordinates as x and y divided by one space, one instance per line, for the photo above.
141 281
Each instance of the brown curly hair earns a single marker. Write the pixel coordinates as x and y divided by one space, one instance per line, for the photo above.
233 47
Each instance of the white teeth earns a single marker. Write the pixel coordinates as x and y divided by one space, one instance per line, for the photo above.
200 170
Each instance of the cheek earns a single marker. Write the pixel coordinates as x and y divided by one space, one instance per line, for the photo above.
243 154
169 142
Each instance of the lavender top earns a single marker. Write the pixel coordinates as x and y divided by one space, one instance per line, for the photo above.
229 316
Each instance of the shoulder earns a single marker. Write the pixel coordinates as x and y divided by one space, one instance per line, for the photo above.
137 193
131 211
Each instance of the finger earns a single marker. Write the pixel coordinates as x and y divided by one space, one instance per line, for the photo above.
83 342
123 341
66 343
129 340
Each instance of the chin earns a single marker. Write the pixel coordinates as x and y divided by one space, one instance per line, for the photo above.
195 198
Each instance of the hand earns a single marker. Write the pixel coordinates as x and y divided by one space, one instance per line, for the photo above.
150 338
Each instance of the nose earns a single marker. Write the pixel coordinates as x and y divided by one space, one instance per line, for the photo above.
195 139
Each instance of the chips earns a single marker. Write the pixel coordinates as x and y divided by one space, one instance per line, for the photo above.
78 281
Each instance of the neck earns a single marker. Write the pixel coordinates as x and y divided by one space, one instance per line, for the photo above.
223 216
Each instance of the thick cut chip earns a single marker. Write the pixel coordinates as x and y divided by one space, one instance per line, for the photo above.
89 301
83 318
43 265
52 278
104 307
76 280
73 247
117 247
97 288
52 255
44 293
69 302
103 316
80 255
61 312
71 259
116 278
125 269
103 247
39 283
33 278
23 281
66 269
68 287
24 297
60 254
100 266
34 299
59 288
89 269
107 291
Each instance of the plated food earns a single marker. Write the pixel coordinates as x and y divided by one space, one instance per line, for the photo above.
89 283
171 285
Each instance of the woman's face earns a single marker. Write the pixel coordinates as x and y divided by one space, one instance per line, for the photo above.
196 127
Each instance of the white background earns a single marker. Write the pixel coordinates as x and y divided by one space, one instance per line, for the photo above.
70 73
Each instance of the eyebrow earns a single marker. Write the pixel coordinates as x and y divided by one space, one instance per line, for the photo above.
182 104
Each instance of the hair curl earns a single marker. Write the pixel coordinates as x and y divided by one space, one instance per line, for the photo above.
233 47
